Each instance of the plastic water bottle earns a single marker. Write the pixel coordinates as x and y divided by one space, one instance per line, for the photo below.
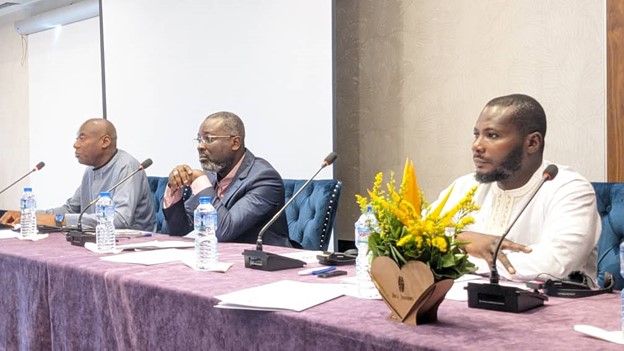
105 229
365 225
205 223
622 274
28 221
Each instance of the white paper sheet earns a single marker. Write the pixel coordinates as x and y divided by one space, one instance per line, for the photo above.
305 256
144 246
131 233
155 244
458 291
7 234
34 238
189 260
12 234
150 257
281 295
616 336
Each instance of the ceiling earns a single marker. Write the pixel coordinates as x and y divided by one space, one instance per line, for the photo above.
15 10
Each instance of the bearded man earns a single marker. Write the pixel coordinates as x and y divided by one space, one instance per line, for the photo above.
245 190
558 232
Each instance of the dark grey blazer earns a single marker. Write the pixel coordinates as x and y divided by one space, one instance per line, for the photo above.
255 194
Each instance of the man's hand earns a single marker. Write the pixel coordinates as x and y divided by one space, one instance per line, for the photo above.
14 217
46 219
10 218
183 175
483 246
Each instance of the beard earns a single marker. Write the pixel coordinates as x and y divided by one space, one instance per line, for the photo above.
214 166
510 165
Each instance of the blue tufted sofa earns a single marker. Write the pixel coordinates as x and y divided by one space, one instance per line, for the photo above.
610 202
310 217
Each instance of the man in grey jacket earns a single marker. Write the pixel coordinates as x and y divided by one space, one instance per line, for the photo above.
96 147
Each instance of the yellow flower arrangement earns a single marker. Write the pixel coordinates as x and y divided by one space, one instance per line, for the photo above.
409 229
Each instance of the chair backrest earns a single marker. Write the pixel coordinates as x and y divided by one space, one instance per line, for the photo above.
158 185
610 203
311 215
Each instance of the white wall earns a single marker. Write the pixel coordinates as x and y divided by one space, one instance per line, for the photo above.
14 135
64 91
169 65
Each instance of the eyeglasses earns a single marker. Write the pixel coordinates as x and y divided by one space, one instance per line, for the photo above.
209 139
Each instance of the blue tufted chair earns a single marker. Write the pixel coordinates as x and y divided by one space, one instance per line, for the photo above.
311 216
610 202
158 185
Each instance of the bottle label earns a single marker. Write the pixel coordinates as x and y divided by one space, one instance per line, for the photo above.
364 227
28 202
361 234
109 211
206 221
198 221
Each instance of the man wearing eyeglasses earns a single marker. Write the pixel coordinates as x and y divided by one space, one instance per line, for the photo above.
245 190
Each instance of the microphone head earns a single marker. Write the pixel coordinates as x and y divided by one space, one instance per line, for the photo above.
39 166
148 162
330 159
550 172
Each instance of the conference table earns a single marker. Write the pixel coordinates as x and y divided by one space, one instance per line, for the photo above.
56 296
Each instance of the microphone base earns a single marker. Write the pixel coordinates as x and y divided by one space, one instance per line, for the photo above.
265 261
78 238
503 298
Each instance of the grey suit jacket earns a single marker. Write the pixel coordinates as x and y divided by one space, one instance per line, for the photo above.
254 196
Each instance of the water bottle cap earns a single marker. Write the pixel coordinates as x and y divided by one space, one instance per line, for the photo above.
104 193
204 199
27 190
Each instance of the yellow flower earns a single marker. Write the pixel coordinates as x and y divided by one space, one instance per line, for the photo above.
407 232
436 212
409 187
405 240
440 243
419 242
362 201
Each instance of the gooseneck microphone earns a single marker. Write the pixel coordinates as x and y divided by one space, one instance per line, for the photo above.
36 168
258 259
549 174
496 297
77 236
142 166
328 161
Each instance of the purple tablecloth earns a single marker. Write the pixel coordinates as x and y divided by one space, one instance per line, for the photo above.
61 297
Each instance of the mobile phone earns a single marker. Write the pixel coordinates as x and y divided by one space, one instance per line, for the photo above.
331 274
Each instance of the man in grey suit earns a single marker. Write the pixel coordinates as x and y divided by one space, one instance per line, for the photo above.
246 190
